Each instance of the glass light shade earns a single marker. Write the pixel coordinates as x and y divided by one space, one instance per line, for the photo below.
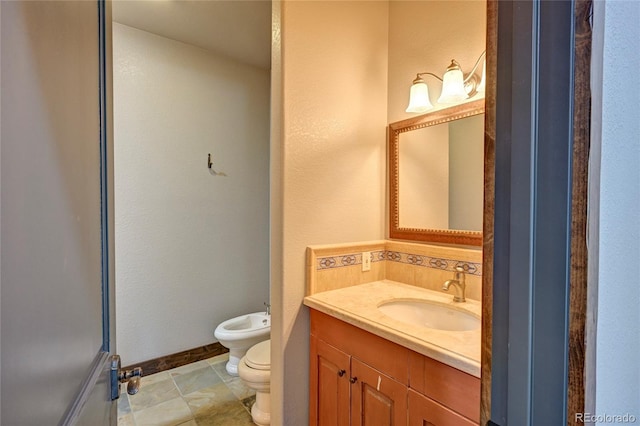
483 81
452 86
419 98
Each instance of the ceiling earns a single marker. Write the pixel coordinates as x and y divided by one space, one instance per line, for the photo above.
238 29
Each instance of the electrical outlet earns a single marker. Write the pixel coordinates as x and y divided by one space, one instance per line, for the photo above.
366 261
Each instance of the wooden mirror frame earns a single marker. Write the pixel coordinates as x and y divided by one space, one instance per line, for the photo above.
448 236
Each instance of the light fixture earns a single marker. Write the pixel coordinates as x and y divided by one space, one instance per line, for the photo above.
456 87
419 97
452 85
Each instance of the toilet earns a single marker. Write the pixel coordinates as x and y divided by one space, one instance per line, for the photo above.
255 372
240 333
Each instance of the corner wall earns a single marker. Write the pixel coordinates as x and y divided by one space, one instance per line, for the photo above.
192 249
616 133
334 93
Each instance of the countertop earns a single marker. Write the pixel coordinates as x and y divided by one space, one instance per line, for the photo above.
357 305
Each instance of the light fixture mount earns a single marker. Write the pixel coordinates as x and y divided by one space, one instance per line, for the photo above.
471 82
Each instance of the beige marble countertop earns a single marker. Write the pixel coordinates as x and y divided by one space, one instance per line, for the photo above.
357 305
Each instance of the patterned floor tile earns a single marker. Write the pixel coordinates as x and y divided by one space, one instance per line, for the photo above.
218 359
155 378
123 404
233 415
217 406
221 369
186 369
126 420
203 399
169 413
196 380
198 394
239 389
248 402
154 394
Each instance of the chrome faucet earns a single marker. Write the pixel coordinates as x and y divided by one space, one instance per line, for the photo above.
458 283
268 306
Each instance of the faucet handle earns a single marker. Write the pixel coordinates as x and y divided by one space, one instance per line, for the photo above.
268 306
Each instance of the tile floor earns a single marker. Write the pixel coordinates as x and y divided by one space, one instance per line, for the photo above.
198 394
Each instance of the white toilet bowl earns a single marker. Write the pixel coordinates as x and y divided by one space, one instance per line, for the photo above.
255 372
240 333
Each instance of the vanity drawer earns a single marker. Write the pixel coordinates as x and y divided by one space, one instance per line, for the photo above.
455 389
379 353
424 411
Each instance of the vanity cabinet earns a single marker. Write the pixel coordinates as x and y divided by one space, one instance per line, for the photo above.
353 376
358 378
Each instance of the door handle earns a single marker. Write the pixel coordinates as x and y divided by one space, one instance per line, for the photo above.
341 373
353 379
119 376
132 378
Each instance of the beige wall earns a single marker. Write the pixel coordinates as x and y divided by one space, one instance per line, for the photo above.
466 172
423 178
425 36
331 162
338 77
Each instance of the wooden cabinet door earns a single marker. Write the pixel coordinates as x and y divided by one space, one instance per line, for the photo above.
444 384
376 399
329 385
424 411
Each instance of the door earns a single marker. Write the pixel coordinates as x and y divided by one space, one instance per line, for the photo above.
376 399
56 280
329 385
424 411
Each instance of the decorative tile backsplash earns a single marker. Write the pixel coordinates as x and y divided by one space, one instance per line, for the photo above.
340 261
330 262
434 262
335 266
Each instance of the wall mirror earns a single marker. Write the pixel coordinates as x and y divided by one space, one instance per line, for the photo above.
436 176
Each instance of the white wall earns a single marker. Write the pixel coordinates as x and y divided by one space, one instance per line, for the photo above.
191 248
331 149
616 131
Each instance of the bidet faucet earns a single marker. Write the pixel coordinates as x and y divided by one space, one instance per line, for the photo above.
458 283
268 306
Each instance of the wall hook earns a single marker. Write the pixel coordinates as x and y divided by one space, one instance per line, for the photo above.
210 166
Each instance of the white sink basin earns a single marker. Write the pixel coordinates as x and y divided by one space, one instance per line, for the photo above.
430 315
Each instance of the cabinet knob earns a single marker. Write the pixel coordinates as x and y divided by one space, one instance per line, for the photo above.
341 373
353 379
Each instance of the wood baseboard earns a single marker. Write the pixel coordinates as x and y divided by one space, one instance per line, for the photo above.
179 359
